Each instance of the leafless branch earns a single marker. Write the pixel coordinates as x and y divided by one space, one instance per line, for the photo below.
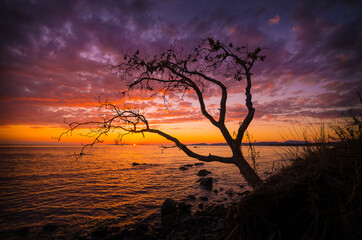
174 71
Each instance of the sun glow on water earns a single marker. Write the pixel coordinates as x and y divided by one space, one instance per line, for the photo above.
104 184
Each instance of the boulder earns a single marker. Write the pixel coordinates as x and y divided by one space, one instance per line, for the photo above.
168 215
203 173
183 168
230 192
50 227
168 207
246 192
206 183
191 197
22 231
199 164
184 208
100 232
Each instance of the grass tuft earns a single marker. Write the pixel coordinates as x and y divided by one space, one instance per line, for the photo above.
318 195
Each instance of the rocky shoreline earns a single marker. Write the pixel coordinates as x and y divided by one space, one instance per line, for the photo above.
199 216
176 221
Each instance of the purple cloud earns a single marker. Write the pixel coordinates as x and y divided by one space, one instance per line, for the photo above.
54 53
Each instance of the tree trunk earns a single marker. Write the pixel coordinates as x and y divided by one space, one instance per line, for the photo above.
247 171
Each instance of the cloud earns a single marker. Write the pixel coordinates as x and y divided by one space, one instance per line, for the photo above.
274 20
54 55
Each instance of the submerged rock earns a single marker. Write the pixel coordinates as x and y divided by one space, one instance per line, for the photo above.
191 197
22 231
183 168
206 183
199 164
137 164
230 192
50 227
203 173
100 232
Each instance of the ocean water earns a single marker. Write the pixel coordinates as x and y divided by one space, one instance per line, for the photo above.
47 186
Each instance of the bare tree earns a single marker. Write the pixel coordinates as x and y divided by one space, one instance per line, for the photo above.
209 64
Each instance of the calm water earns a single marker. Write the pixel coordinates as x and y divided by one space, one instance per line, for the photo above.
47 185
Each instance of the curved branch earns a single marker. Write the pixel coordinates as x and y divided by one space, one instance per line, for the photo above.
186 150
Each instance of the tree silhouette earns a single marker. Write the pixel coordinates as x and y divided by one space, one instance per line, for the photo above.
208 65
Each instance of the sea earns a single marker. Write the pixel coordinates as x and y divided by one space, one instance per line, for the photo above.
48 192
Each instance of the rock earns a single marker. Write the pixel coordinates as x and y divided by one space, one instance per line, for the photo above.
216 191
230 192
141 227
168 215
188 165
100 232
22 231
168 207
203 173
220 225
184 208
50 227
241 186
199 164
183 168
245 193
191 197
206 183
136 164
204 198
221 189
129 238
200 205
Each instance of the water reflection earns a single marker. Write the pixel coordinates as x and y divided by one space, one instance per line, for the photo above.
46 185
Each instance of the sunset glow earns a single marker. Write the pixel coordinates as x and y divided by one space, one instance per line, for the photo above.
54 57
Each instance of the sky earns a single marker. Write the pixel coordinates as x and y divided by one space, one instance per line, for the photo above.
54 54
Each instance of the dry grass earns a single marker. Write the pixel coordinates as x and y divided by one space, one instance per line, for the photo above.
317 196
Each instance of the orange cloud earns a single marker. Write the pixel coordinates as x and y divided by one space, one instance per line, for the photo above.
274 20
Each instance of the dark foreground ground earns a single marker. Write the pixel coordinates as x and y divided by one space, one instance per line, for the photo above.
318 196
